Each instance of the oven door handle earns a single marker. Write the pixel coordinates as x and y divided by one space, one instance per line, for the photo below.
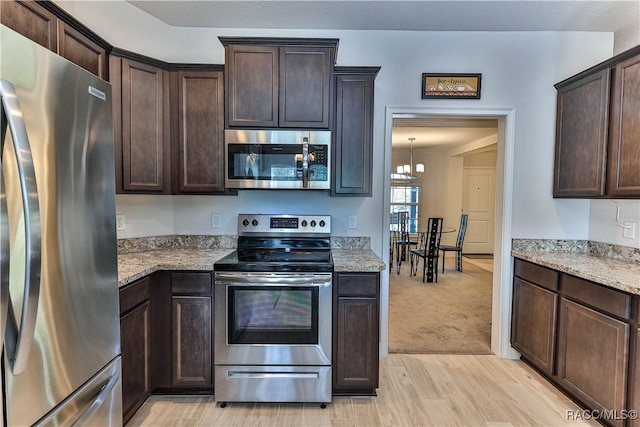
268 280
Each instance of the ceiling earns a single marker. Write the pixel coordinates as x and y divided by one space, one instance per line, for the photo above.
428 15
439 132
616 16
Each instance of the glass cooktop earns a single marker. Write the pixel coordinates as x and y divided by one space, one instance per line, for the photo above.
276 260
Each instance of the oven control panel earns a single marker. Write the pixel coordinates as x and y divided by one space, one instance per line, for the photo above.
284 224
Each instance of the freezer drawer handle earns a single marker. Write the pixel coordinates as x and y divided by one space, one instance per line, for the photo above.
102 396
241 374
18 343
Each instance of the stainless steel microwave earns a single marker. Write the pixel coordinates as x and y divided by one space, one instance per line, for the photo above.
277 159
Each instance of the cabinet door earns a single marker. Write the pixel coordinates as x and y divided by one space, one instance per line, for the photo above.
82 51
200 125
533 324
624 136
353 148
144 142
252 86
634 401
356 333
592 357
356 363
135 342
31 20
581 137
305 86
192 365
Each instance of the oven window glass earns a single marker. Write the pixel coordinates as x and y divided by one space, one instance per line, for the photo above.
275 162
273 315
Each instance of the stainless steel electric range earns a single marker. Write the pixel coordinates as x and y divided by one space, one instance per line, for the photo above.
273 312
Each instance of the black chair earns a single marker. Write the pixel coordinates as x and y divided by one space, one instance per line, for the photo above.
458 246
403 240
429 252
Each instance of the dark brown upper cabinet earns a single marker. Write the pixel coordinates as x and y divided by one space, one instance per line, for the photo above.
31 20
169 125
82 51
48 25
353 136
141 126
278 82
623 178
597 131
197 112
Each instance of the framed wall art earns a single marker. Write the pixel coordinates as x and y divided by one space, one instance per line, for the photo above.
451 86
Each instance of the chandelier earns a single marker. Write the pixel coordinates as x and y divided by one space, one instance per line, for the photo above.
405 173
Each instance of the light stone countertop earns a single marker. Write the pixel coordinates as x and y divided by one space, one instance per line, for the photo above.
135 265
356 260
614 273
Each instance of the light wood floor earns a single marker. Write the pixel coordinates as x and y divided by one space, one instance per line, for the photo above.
415 390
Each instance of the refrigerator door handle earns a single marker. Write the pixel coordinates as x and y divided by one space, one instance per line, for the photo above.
18 349
102 396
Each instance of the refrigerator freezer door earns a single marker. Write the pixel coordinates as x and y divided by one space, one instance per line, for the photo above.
67 113
97 403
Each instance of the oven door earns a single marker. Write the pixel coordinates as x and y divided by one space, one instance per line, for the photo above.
272 318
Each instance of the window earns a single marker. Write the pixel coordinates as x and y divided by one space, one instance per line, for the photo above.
405 199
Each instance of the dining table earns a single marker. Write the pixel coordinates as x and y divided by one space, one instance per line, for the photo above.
402 241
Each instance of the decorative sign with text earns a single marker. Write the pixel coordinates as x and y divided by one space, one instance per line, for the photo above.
451 86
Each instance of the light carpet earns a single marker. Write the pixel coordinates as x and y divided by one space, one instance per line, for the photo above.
452 316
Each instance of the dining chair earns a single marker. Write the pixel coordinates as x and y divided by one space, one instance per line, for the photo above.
430 252
457 248
403 242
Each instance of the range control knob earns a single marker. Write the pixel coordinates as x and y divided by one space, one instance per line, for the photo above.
322 223
245 222
254 222
313 223
304 222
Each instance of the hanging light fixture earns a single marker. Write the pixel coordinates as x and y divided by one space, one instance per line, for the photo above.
406 172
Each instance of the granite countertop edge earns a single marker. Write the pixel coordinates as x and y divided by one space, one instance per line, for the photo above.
614 273
136 265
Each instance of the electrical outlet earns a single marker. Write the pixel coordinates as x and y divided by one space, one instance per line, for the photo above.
121 222
629 230
215 220
353 222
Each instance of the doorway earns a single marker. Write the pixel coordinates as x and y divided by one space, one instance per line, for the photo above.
501 289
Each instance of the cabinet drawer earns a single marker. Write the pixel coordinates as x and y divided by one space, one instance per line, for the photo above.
606 299
134 294
537 274
191 283
357 284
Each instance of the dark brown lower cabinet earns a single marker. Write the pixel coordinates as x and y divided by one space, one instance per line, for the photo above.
192 365
356 333
579 334
533 326
634 400
592 357
135 342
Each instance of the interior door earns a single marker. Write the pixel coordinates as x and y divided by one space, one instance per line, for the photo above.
478 201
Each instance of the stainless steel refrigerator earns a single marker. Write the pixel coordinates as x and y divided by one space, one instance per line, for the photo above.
59 315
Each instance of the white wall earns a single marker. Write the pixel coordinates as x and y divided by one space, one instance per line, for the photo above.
603 226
